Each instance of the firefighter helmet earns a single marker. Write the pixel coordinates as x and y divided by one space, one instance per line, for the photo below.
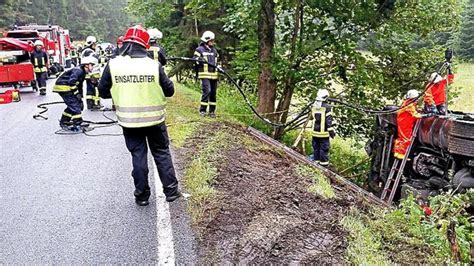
120 40
89 60
91 40
208 36
155 34
322 95
137 34
435 78
412 94
39 43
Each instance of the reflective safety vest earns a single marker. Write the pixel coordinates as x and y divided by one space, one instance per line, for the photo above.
322 120
138 98
156 52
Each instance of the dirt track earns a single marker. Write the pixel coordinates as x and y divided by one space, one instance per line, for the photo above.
263 212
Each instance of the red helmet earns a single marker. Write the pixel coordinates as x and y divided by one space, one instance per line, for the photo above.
138 35
120 40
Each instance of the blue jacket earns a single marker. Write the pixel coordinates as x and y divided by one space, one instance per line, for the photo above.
208 54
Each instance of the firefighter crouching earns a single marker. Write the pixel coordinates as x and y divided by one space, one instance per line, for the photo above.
68 86
40 61
92 94
156 52
321 113
138 86
206 73
406 119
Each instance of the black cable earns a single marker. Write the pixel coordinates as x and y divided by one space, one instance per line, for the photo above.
40 115
266 120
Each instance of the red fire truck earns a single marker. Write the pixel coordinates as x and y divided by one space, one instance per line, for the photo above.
57 42
15 67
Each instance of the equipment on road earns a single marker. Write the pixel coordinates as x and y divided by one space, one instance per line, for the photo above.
10 96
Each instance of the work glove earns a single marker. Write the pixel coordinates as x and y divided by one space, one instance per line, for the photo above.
431 109
332 134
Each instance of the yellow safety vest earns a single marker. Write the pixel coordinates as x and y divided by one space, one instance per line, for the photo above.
137 95
320 115
156 51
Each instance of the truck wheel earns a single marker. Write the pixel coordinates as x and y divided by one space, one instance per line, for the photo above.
461 146
462 129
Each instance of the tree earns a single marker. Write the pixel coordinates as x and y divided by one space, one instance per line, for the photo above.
466 36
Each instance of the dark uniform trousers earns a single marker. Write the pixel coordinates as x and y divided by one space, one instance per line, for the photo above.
74 108
209 95
321 150
157 137
41 79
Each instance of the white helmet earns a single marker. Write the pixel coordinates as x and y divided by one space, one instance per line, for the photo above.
412 94
207 36
322 95
90 40
89 60
39 42
435 78
155 34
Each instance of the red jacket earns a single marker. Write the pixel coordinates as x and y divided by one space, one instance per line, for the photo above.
406 119
436 93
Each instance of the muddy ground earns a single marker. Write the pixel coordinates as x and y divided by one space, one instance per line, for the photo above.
263 212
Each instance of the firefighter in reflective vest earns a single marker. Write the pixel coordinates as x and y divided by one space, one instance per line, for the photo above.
156 52
92 94
206 73
39 59
435 95
321 113
68 86
74 56
138 86
406 119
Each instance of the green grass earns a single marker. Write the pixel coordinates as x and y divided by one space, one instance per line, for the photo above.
464 82
321 185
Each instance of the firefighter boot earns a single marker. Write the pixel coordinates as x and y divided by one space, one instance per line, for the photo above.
42 91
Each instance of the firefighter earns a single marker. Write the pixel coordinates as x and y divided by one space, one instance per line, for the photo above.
40 61
119 45
206 73
74 56
92 94
68 86
406 119
138 86
321 113
435 96
156 52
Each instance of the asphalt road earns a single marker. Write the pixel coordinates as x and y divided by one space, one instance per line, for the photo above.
69 198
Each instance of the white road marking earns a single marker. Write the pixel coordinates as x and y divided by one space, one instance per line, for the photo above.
163 225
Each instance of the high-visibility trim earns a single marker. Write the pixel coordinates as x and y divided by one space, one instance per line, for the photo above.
155 50
331 129
63 88
141 121
95 75
78 116
197 54
320 134
399 155
204 103
140 109
208 75
212 103
89 97
324 163
328 113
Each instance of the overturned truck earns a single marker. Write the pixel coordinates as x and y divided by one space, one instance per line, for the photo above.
441 158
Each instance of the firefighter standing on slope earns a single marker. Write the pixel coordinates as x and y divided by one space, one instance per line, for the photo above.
156 52
40 61
68 86
321 113
92 94
406 119
206 73
138 86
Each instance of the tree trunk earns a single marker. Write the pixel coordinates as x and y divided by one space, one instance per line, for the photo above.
289 88
266 38
455 250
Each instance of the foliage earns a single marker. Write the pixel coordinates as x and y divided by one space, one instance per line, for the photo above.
409 234
321 185
466 42
104 19
464 81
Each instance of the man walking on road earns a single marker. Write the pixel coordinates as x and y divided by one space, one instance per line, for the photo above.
138 86
40 62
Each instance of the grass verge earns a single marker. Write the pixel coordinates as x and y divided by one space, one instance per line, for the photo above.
321 185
